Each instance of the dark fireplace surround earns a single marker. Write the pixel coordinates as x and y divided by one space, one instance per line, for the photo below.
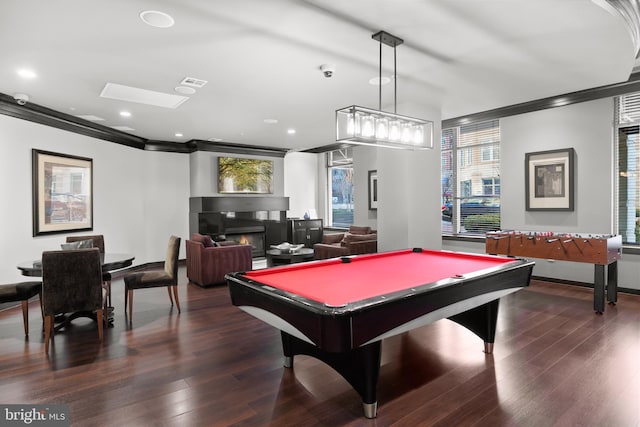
256 220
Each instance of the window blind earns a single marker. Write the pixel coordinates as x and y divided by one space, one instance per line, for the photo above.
470 165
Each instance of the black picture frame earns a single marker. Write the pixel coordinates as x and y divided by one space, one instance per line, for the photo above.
373 190
549 180
62 192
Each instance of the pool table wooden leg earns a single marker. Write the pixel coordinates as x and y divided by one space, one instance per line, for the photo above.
481 321
360 366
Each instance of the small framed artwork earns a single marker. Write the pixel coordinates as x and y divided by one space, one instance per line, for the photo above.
373 190
549 180
62 193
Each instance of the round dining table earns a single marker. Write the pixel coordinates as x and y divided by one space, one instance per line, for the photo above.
110 261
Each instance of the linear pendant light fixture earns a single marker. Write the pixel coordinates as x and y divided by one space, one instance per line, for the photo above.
366 126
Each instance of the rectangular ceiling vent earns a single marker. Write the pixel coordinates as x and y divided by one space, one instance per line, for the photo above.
193 82
142 96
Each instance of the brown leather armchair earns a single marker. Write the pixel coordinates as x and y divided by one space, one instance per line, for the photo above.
358 240
208 262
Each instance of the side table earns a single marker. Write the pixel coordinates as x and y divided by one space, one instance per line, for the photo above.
276 257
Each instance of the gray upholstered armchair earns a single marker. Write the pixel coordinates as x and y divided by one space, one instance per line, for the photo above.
356 241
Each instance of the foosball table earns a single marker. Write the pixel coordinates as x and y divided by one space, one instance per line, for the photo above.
603 251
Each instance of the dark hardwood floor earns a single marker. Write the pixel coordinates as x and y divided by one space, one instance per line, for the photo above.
555 363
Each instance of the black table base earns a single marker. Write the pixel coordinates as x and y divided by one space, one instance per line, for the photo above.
64 320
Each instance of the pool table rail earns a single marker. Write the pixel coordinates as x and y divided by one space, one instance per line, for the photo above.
339 329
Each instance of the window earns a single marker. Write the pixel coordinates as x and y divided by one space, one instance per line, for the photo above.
465 189
465 157
471 178
490 186
340 191
490 153
628 168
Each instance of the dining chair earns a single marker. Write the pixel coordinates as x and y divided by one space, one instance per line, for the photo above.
168 276
71 283
21 291
98 242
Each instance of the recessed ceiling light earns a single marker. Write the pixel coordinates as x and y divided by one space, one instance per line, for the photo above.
125 114
374 81
559 102
185 90
291 131
90 117
214 139
157 19
26 73
123 128
178 134
270 121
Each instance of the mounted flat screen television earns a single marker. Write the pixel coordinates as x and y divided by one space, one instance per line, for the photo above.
248 176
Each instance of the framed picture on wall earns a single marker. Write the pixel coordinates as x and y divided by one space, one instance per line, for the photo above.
62 193
373 190
549 180
241 175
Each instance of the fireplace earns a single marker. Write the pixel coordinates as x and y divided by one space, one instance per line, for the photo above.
253 236
260 221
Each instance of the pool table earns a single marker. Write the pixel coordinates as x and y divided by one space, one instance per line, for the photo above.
339 310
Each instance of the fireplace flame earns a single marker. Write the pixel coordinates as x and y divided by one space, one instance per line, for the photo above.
244 240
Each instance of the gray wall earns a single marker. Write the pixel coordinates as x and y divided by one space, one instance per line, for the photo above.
203 172
588 128
409 191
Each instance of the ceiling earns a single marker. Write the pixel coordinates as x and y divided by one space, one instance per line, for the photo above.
261 60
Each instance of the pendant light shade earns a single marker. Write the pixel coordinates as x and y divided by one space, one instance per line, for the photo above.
366 126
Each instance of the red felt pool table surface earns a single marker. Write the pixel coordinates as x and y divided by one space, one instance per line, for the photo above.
335 283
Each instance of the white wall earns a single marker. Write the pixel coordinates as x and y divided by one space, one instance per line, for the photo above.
140 198
300 184
364 160
586 127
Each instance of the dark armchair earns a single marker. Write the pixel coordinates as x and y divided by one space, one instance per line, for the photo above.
208 262
358 240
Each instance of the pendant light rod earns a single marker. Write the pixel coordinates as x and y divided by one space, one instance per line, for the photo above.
395 83
392 41
380 79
